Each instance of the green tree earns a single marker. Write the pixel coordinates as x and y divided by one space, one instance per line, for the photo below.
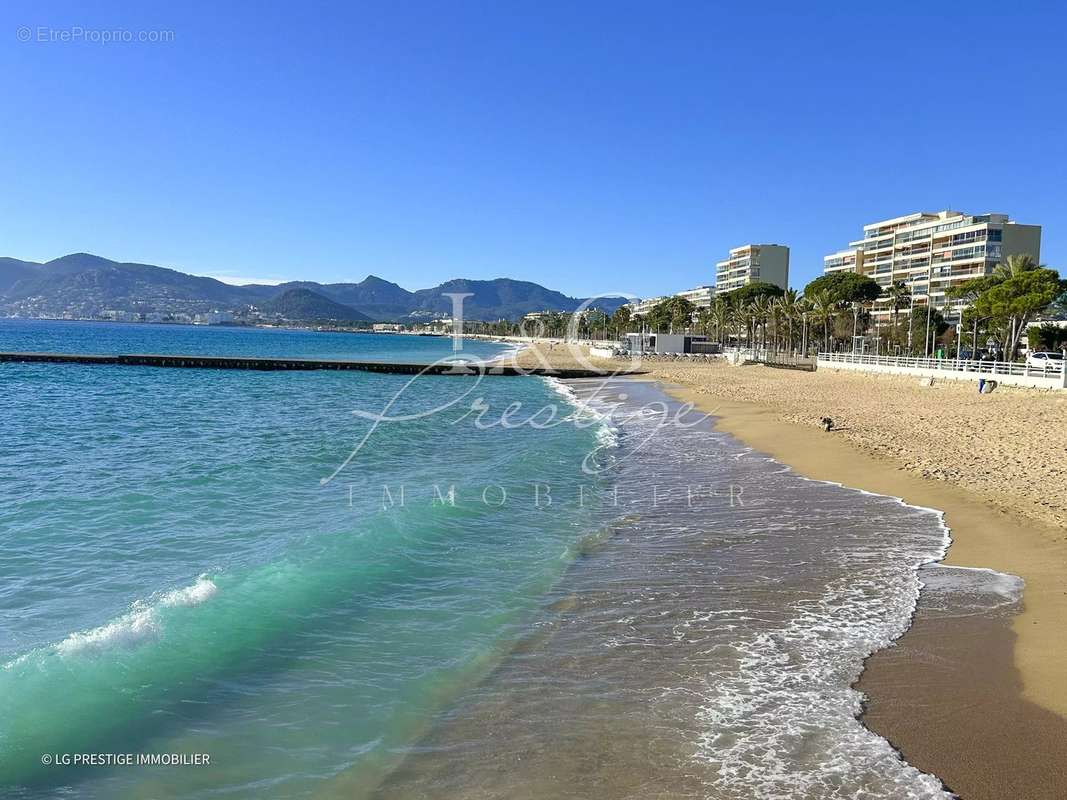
1059 307
595 321
791 307
705 321
918 319
976 329
1047 336
739 316
621 319
899 296
760 310
556 324
750 291
674 312
1014 301
845 288
1014 266
720 314
823 309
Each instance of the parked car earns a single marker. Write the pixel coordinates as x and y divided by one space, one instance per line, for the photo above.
1045 360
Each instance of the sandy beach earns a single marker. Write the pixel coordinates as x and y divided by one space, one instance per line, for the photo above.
995 465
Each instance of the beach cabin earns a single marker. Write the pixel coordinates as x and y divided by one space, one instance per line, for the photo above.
668 343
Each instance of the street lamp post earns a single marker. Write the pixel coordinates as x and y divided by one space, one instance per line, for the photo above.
927 348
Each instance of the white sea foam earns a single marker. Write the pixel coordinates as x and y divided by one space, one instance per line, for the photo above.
965 591
793 690
607 433
792 694
143 622
779 717
203 589
560 388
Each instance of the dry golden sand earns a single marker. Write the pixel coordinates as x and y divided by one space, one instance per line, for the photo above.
995 464
1009 448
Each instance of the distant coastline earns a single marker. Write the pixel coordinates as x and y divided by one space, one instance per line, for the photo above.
83 285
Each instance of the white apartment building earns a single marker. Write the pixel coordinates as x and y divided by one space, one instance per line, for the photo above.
768 263
929 252
700 297
639 308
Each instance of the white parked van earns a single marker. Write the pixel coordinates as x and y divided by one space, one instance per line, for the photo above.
1052 362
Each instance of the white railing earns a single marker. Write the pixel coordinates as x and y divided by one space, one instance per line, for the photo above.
745 353
1051 370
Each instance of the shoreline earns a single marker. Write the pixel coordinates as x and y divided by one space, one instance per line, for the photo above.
981 702
585 614
1017 662
984 534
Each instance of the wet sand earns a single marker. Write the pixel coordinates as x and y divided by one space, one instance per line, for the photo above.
1000 692
987 718
695 651
947 697
980 703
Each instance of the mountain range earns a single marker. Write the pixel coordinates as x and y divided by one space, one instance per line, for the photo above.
82 284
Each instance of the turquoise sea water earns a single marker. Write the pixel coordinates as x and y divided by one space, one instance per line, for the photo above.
616 602
108 338
175 578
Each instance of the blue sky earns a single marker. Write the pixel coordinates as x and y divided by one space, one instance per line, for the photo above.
590 147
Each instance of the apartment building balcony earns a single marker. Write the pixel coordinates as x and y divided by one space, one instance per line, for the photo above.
911 236
868 245
977 237
970 254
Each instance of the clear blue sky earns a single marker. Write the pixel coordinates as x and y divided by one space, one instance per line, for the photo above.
587 146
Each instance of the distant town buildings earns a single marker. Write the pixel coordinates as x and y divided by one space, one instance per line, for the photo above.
639 308
213 318
929 252
436 326
768 263
120 315
700 297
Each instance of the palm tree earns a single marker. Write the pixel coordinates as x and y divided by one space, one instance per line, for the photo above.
804 311
621 318
899 296
789 305
1015 265
739 317
759 311
720 313
556 324
704 320
775 323
823 308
